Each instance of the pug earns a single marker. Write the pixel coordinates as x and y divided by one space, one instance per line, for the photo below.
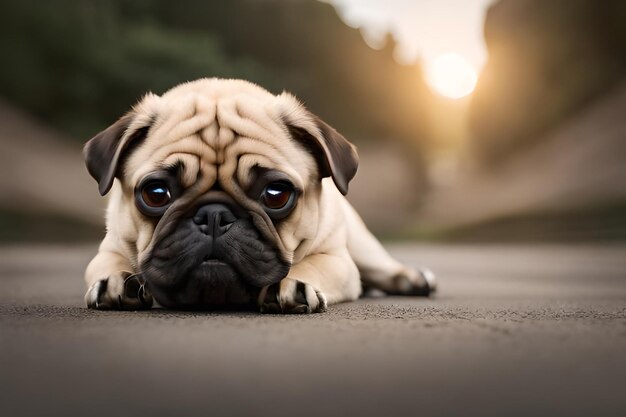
223 195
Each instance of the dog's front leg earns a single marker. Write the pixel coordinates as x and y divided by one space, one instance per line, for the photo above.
112 284
312 284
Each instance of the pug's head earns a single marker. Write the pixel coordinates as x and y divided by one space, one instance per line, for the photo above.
219 188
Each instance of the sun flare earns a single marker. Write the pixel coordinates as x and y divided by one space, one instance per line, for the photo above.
451 75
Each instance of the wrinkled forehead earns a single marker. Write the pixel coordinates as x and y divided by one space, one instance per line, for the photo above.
219 138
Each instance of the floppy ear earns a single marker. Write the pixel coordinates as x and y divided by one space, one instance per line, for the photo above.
105 151
335 156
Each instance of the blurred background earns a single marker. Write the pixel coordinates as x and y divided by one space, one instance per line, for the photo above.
476 120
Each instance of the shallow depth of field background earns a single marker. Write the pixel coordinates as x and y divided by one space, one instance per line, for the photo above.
511 190
537 152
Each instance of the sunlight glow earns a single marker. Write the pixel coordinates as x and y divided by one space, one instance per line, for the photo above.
451 75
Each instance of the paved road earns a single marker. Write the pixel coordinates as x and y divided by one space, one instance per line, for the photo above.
513 331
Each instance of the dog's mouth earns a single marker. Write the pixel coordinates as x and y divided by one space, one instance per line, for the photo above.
212 262
193 270
211 283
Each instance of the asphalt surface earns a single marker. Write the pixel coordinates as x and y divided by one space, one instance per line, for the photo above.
514 330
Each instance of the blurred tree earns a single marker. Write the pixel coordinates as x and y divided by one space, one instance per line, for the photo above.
547 59
80 63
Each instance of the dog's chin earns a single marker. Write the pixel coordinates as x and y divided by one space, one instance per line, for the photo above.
213 284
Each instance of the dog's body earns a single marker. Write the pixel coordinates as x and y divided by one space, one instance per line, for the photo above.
231 196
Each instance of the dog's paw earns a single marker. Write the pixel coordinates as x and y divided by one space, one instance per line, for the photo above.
420 282
290 296
120 291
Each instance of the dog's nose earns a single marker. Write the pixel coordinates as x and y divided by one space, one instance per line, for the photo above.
214 219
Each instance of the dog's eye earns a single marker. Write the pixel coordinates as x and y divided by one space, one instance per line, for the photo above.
276 195
153 197
156 194
278 198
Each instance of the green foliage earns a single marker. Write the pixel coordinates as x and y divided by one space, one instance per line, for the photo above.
79 64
